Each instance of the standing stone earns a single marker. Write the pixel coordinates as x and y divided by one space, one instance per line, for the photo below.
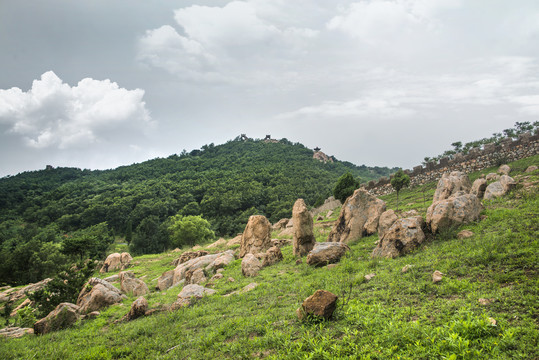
321 304
303 229
257 236
451 183
359 217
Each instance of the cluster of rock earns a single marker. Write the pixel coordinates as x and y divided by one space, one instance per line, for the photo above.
116 261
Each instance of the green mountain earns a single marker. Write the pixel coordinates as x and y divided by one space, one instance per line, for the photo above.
225 184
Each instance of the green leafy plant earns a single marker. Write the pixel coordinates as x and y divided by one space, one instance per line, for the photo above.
345 187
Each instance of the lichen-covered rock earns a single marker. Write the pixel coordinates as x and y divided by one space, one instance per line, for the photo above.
250 265
65 315
459 209
478 188
303 240
402 237
129 284
256 237
359 217
97 294
451 183
321 304
326 253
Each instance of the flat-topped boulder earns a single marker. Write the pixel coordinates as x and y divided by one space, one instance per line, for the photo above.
326 253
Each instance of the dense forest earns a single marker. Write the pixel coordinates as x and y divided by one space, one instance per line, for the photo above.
52 217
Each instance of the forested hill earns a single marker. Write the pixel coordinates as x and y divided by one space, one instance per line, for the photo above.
225 184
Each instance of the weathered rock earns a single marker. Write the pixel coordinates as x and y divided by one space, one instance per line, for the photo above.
289 231
116 261
402 237
234 241
531 168
195 291
65 315
465 234
166 280
281 224
93 315
478 188
359 217
217 277
280 242
500 187
256 236
112 278
179 303
368 277
272 256
15 332
321 304
329 214
129 284
406 268
459 209
492 176
387 219
138 309
222 261
304 240
196 276
437 276
410 213
326 253
14 295
504 169
218 243
245 289
188 255
451 183
97 294
250 265
24 304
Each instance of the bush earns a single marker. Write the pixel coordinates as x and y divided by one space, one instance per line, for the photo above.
346 185
189 230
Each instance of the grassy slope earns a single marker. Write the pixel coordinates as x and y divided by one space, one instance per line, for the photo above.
395 315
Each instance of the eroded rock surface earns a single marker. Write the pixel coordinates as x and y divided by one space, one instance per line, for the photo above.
403 236
129 284
97 294
326 253
116 261
451 183
460 208
65 315
256 237
321 304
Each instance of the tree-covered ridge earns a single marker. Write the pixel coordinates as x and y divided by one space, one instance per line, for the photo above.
224 184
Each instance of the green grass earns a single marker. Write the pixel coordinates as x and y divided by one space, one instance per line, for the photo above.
393 316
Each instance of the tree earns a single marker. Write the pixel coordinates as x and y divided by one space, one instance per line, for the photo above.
150 237
345 187
129 232
399 180
189 230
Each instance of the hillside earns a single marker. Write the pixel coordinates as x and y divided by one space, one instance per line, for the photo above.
485 307
225 184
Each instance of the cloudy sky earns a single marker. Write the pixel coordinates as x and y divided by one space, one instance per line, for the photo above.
102 83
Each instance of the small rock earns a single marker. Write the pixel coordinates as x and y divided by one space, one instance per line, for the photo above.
321 304
250 265
112 278
492 176
483 301
231 279
492 321
331 266
217 277
138 309
437 276
531 168
369 276
406 268
299 261
93 315
219 271
504 170
465 234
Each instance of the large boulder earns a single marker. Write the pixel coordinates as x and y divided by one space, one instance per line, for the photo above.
303 240
387 219
321 304
15 295
97 294
138 309
250 265
403 236
272 256
451 183
131 285
359 217
460 208
224 259
500 187
166 280
189 293
196 276
478 188
65 315
326 253
257 236
116 261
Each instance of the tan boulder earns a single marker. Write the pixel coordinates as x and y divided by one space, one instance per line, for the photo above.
234 241
281 224
165 281
437 276
459 209
478 188
359 217
195 291
531 168
188 255
116 261
257 236
138 309
465 234
97 294
272 256
303 240
196 276
451 183
504 169
13 332
250 265
221 261
65 315
129 284
402 237
218 243
321 304
280 242
387 219
499 188
326 253
492 176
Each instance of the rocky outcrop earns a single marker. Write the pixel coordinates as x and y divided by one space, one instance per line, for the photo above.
321 304
116 261
97 294
250 265
188 255
531 168
326 253
303 240
387 219
499 188
130 285
359 217
460 208
65 315
13 332
478 188
15 295
451 183
403 236
257 236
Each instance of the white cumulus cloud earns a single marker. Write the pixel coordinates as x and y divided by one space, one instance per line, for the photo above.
54 114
